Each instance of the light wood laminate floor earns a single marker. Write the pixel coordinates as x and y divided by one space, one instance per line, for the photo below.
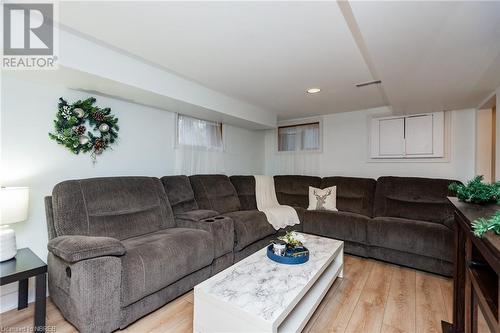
372 297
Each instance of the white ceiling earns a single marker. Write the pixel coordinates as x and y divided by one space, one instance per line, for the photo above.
430 56
433 56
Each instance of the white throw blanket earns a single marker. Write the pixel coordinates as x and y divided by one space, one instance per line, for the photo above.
279 216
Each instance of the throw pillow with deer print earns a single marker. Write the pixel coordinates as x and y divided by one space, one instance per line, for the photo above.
323 199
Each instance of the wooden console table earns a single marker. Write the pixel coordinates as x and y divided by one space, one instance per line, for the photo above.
476 273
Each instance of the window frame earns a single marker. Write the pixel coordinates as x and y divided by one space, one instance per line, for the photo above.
178 145
298 123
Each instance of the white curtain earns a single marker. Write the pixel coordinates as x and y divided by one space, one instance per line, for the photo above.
299 138
199 147
296 163
297 152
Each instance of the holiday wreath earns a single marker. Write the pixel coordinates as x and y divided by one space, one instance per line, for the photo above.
71 127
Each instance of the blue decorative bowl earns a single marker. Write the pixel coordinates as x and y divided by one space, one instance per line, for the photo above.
288 258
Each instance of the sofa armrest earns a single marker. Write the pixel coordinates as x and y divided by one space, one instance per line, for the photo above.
220 227
76 248
87 292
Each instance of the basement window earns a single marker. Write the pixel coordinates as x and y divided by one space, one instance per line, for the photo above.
198 133
300 137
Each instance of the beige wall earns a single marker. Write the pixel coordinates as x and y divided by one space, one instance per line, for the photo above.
484 143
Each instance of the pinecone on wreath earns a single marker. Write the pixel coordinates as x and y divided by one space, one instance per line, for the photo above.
99 146
98 116
80 130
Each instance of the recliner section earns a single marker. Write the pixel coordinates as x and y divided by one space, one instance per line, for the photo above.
114 244
413 223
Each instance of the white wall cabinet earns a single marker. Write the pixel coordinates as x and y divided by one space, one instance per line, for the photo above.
416 136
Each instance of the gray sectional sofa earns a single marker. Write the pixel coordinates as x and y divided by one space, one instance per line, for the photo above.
121 247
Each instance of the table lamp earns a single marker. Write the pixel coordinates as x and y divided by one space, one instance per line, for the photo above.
13 209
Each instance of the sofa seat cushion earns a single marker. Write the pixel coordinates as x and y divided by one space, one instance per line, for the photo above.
157 260
249 226
412 236
344 226
196 215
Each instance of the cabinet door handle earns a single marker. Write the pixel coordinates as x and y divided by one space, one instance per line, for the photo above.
477 264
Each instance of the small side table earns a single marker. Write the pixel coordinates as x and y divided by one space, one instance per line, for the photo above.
24 265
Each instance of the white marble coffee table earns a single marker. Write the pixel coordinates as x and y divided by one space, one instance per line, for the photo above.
260 295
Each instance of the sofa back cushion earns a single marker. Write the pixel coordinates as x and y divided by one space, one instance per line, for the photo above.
245 187
179 193
294 190
118 207
355 195
413 198
215 192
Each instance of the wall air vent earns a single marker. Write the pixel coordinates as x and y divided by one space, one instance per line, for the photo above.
369 83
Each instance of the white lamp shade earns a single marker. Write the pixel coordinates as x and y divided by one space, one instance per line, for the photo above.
13 204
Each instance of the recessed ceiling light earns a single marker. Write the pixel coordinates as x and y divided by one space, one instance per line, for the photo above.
313 90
